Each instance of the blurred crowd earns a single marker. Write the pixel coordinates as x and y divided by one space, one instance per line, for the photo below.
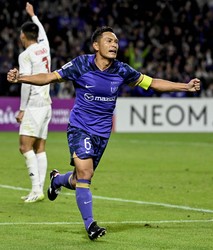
170 39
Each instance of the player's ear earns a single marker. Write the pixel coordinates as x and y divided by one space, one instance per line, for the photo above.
95 46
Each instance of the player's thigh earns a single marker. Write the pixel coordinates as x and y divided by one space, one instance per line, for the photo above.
34 122
85 145
26 143
47 114
31 122
39 145
80 143
99 150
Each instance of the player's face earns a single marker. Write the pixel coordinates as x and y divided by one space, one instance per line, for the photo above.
22 38
107 45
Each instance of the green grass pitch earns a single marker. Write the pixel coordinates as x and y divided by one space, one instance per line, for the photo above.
151 191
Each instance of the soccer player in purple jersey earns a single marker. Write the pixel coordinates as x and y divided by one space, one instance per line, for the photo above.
97 79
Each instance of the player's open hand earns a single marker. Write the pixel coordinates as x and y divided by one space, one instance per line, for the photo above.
29 9
12 75
194 85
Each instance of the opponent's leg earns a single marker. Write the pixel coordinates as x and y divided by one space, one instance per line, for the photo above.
36 194
26 149
42 168
39 149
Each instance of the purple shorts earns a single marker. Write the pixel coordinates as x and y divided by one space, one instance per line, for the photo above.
85 145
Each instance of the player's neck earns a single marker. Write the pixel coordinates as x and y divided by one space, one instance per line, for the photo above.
28 43
103 63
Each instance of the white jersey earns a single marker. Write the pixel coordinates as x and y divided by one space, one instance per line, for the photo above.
33 60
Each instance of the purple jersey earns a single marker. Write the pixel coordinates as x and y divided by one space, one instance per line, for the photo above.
96 92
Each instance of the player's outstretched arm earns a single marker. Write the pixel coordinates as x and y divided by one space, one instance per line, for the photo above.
168 86
29 9
38 79
42 33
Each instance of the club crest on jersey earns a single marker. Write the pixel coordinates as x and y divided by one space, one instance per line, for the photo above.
114 89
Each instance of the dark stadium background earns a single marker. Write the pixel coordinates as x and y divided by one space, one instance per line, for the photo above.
166 39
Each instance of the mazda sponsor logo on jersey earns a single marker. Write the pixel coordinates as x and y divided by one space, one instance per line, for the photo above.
89 97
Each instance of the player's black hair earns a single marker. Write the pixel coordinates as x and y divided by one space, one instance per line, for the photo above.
30 30
99 31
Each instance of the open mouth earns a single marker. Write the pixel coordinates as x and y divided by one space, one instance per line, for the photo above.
113 51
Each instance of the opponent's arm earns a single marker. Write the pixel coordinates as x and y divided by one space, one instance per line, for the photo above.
29 9
42 34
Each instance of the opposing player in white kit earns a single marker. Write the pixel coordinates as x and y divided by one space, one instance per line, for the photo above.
35 106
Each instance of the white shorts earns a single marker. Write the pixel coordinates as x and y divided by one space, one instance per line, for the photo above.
35 122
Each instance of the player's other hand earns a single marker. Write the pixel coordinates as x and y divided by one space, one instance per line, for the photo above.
30 9
13 75
194 85
20 116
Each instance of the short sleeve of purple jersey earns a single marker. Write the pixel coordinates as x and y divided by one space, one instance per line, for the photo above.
69 71
128 73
